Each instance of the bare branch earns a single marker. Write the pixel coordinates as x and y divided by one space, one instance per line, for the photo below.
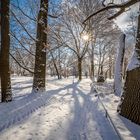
18 7
54 16
122 8
20 64
23 26
21 43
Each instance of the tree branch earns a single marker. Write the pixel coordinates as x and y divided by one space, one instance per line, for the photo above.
23 26
21 43
18 7
20 64
122 8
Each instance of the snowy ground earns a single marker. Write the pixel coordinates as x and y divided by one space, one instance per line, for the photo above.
126 129
66 111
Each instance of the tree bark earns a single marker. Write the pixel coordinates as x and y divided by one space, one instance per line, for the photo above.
101 70
55 66
80 69
130 107
92 69
124 67
110 67
5 48
60 70
92 62
40 57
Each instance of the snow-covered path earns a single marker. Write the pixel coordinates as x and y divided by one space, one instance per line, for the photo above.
72 113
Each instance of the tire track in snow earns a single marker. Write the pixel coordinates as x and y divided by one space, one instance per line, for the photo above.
27 106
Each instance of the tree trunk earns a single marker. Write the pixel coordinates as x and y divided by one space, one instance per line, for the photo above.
110 67
80 69
106 74
92 69
41 43
5 48
98 73
60 70
130 106
92 63
124 67
55 66
119 66
101 70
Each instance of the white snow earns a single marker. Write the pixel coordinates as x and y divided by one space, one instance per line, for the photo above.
66 111
134 62
127 129
118 66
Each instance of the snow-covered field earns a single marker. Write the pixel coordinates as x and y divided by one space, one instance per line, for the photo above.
66 111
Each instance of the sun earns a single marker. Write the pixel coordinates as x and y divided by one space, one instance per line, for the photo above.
85 37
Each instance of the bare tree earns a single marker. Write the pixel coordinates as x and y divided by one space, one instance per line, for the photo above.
71 28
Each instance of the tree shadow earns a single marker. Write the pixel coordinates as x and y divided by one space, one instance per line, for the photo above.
86 112
19 109
88 120
133 128
125 127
